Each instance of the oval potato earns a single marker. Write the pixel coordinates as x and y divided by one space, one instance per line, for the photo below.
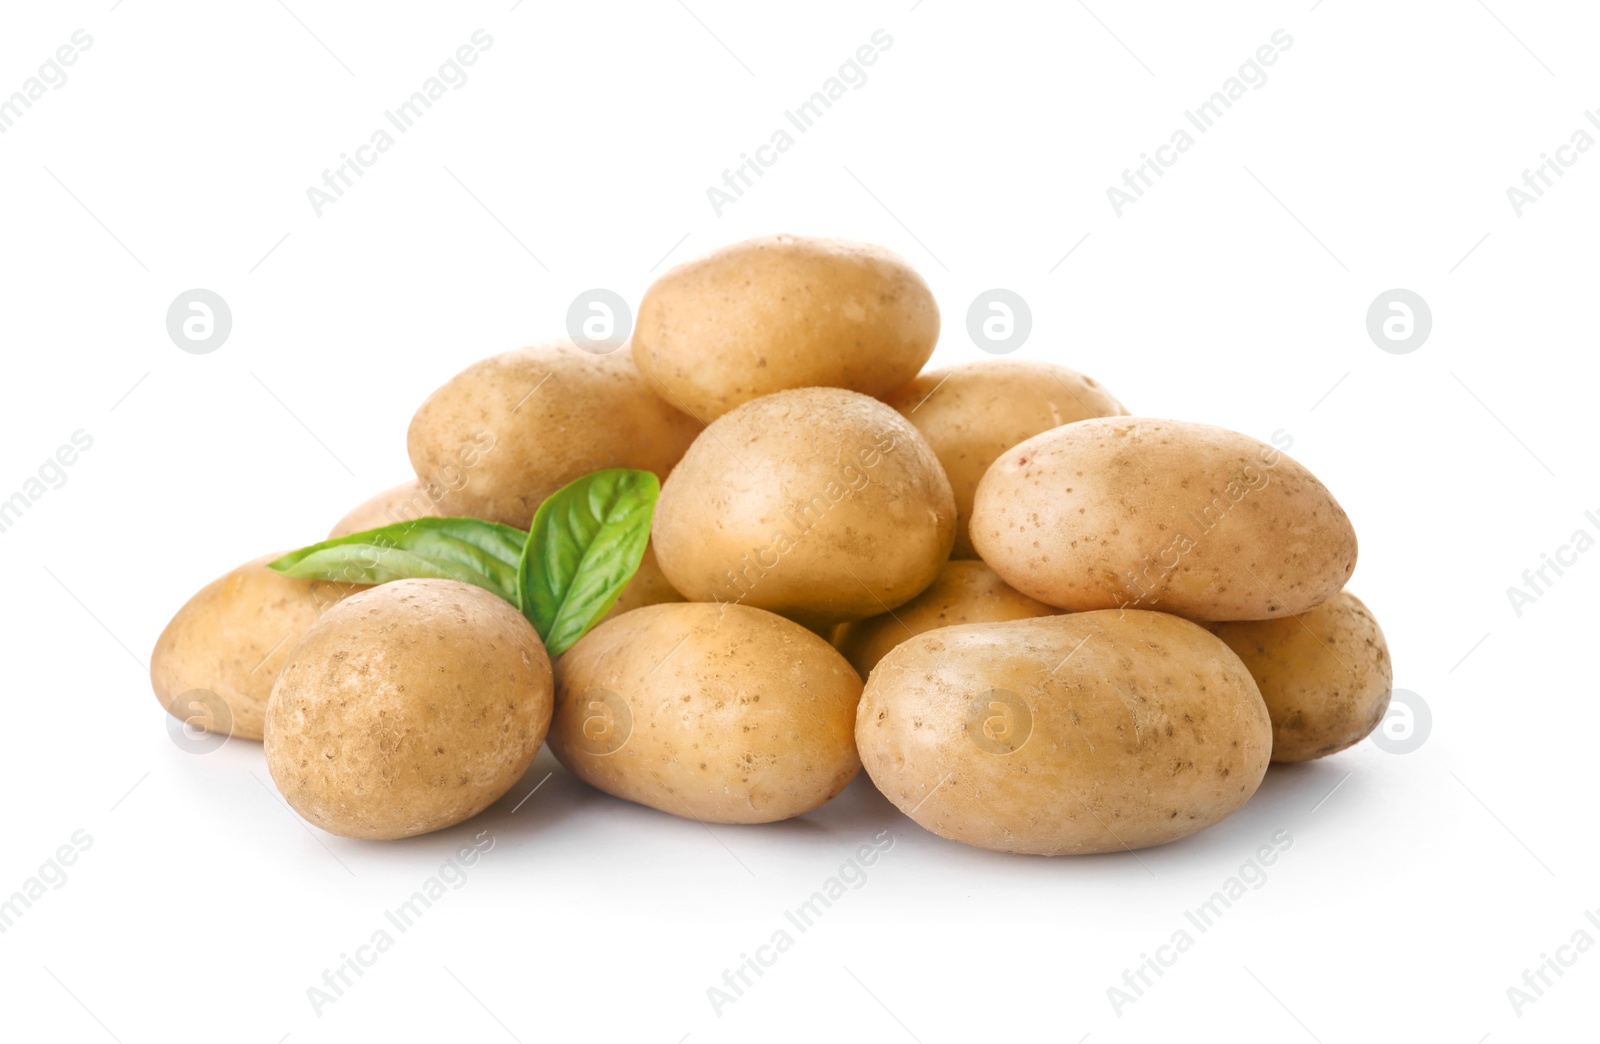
229 642
1065 735
783 312
1185 518
724 714
1325 675
964 592
510 430
972 413
819 504
408 708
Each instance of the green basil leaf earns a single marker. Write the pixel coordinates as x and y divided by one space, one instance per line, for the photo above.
471 550
586 542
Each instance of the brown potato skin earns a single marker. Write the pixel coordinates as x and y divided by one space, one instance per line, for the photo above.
1169 515
406 502
819 504
488 445
783 312
964 592
972 413
233 637
737 715
408 708
1144 729
1326 675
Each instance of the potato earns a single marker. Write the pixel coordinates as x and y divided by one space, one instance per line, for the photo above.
783 312
512 429
964 592
408 708
972 413
819 504
1186 518
231 639
1065 735
406 502
648 586
1325 675
724 714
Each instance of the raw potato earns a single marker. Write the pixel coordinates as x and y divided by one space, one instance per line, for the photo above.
406 502
783 312
230 640
965 592
724 714
819 504
649 586
1065 735
972 413
510 430
408 708
1325 675
1080 631
1185 518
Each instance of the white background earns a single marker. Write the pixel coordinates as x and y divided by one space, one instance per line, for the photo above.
1377 155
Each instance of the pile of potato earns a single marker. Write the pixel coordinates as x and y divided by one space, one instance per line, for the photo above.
1078 630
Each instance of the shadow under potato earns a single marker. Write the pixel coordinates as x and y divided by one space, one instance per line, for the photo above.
858 811
549 796
1287 797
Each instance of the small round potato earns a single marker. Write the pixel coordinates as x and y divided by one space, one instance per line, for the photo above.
819 504
783 312
972 413
964 592
408 708
1185 518
406 502
1065 735
510 430
724 714
214 664
1325 675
